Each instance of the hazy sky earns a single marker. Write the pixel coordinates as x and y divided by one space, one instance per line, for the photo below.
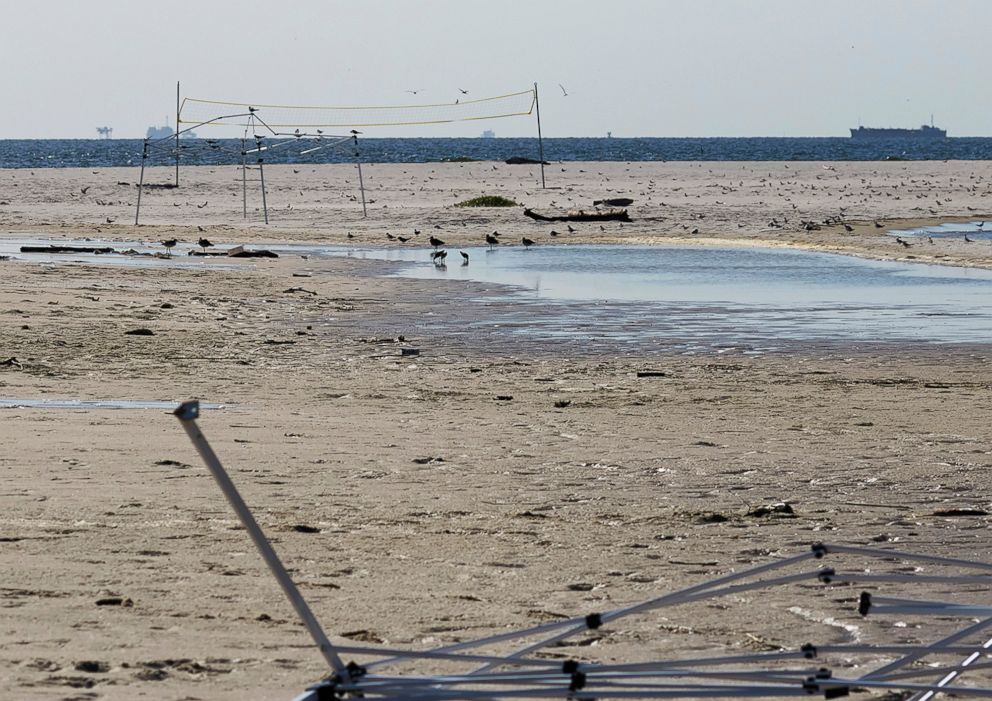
633 67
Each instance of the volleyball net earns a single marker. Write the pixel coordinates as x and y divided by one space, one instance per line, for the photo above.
278 117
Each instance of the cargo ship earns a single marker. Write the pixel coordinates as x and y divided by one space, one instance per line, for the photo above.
927 131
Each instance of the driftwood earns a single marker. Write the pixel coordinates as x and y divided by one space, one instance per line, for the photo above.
236 252
523 161
615 202
67 249
581 215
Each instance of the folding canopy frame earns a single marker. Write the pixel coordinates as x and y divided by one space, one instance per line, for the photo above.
955 660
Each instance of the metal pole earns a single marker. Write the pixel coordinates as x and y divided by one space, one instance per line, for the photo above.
244 181
141 181
540 140
265 207
361 183
177 133
187 413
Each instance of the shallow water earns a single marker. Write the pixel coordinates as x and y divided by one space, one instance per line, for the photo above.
705 297
96 404
975 230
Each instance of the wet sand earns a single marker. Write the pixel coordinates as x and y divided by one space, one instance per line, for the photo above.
478 485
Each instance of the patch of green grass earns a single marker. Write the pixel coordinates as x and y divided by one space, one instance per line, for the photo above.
487 201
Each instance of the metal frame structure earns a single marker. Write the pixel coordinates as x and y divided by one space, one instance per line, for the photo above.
258 139
955 661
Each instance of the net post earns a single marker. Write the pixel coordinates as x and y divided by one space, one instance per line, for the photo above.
177 133
244 180
540 140
361 182
261 176
141 180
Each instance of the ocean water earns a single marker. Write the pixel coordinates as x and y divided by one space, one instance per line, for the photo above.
91 153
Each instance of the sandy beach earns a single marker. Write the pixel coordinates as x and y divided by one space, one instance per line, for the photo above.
477 486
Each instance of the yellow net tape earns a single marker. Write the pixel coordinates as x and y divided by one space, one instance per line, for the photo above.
196 111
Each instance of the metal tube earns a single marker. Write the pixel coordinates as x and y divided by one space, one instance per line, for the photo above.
177 133
261 175
244 181
141 181
540 140
187 414
361 182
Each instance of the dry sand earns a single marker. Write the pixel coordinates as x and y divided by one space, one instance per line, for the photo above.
443 511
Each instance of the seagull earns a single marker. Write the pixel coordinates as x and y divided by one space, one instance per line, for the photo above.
204 244
435 242
526 242
83 190
492 241
463 92
464 257
169 243
563 91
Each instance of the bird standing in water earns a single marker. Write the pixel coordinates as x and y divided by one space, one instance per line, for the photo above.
464 257
526 242
204 244
169 243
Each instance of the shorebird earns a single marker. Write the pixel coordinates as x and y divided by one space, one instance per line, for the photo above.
878 226
492 241
402 239
169 243
526 242
439 258
464 257
554 233
83 190
435 242
968 240
351 235
390 236
980 224
204 244
848 228
570 229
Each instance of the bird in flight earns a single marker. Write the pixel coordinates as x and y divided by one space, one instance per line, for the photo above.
414 92
463 92
563 91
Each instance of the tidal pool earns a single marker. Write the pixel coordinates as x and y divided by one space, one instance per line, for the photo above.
757 298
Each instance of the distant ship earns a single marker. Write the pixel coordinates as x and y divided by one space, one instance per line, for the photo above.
154 133
927 131
488 134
